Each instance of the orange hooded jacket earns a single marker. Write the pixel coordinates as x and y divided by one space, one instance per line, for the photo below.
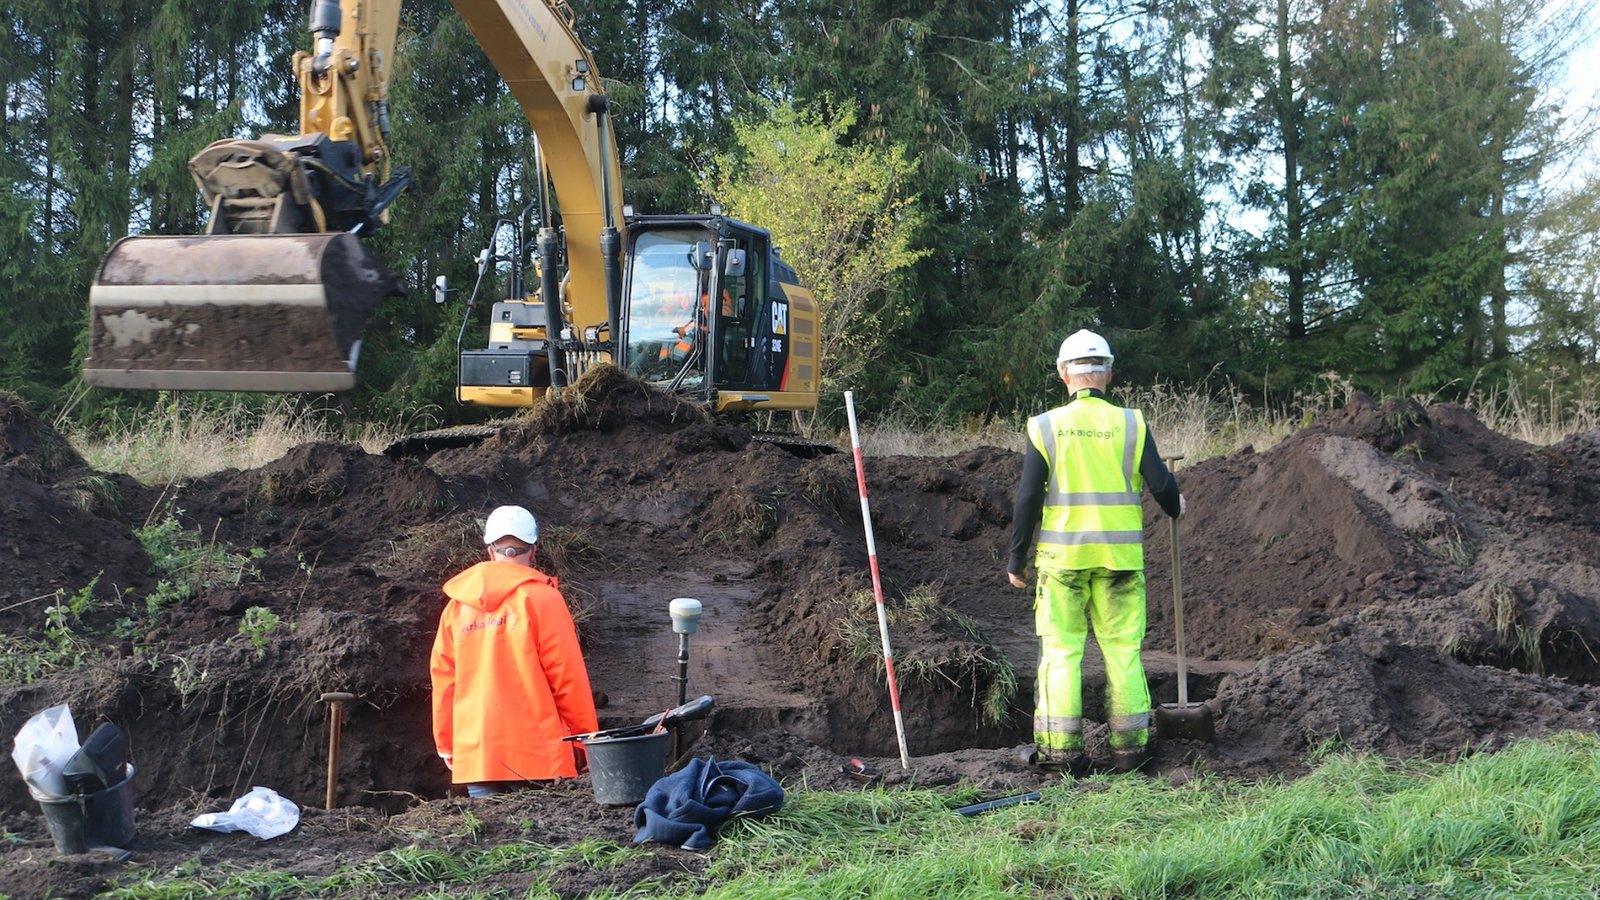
508 678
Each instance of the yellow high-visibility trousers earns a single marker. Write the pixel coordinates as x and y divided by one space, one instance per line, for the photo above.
1066 603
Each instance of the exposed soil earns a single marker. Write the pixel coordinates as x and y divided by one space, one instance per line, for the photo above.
1393 579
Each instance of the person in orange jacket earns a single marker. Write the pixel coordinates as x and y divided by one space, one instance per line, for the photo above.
509 680
689 332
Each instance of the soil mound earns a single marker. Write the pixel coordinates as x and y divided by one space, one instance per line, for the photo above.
32 446
1392 578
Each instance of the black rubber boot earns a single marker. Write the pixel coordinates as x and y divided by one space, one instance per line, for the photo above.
1132 759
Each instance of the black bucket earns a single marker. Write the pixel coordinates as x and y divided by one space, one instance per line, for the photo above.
80 822
623 769
64 817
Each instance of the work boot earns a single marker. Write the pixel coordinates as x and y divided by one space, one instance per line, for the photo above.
1073 762
1130 759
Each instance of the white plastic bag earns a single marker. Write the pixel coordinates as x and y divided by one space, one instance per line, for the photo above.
262 812
42 749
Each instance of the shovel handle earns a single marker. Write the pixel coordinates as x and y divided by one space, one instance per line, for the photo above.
688 712
1177 617
694 709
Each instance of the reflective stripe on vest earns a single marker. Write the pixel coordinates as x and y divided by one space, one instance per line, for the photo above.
1092 517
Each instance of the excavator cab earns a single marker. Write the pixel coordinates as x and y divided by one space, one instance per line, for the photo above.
667 324
712 312
707 311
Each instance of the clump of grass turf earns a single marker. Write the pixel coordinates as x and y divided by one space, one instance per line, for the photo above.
568 549
440 548
1499 605
744 518
601 399
970 663
823 483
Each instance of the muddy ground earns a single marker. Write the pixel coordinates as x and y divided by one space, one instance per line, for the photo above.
1393 579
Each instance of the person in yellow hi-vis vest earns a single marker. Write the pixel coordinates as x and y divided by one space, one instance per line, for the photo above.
1083 470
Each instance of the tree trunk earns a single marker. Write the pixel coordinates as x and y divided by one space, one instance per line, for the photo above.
122 136
1289 127
1072 176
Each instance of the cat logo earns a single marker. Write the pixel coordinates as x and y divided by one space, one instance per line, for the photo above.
780 318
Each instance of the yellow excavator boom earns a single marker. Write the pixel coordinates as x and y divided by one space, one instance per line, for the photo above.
275 295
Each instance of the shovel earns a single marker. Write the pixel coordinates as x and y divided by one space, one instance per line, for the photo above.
1189 721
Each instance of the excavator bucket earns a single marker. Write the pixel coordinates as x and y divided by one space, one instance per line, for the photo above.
260 312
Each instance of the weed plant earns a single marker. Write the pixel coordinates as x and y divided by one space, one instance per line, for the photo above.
258 626
187 563
64 642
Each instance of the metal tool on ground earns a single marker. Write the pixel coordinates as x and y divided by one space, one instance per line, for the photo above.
672 718
336 701
1185 720
857 771
877 583
978 809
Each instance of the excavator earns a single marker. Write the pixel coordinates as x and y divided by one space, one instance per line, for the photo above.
275 294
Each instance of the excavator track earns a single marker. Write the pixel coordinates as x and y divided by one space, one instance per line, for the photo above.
805 448
424 443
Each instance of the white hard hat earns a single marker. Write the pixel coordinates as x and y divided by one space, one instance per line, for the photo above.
1080 350
511 521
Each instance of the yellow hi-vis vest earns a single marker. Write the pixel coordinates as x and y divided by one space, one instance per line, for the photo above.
1092 517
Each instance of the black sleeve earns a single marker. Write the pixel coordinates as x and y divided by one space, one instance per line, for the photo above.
1029 507
1158 478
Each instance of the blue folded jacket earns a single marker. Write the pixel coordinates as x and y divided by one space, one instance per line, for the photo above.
689 806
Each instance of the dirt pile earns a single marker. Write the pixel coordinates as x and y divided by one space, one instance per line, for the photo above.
1396 578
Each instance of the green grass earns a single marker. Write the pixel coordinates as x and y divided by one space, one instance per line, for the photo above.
454 872
1521 823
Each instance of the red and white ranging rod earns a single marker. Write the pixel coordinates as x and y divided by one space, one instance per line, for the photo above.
877 585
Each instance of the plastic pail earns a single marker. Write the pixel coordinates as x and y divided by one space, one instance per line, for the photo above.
64 817
623 769
108 814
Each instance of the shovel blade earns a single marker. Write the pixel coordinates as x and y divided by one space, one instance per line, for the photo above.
1185 721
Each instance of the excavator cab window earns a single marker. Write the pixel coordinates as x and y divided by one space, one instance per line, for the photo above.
665 325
